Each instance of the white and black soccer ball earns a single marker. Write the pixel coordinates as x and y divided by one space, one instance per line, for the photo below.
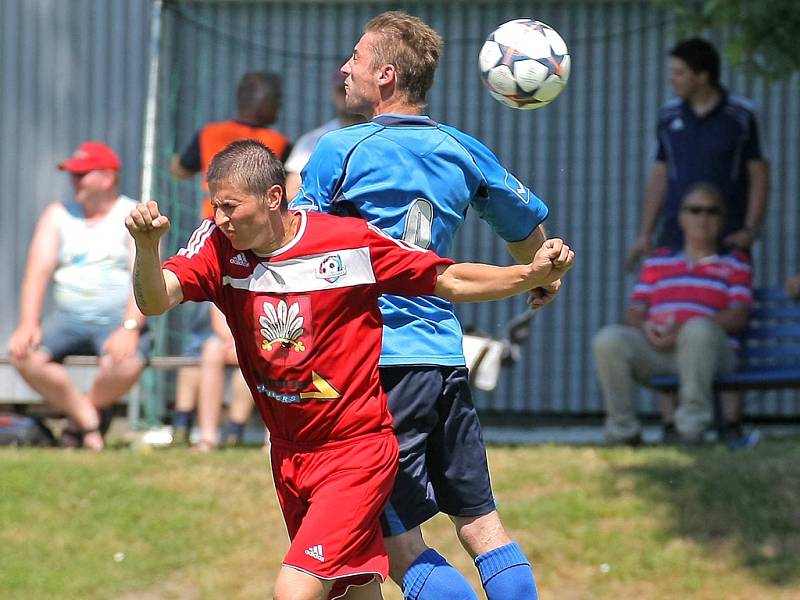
524 63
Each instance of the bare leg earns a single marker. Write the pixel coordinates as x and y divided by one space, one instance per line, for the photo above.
241 399
403 550
114 380
52 381
212 392
371 591
187 388
732 404
297 585
667 402
481 534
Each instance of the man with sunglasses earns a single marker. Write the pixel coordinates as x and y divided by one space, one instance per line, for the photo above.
683 318
704 134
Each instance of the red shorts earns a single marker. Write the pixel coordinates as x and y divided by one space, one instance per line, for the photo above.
332 496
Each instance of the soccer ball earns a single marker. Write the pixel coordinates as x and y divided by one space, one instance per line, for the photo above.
524 63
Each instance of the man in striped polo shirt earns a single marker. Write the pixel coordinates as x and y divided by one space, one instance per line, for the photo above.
684 315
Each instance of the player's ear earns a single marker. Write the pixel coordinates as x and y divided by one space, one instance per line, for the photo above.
275 196
387 75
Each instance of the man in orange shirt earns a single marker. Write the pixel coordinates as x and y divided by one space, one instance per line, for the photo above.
258 100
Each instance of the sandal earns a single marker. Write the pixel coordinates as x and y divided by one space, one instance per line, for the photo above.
72 435
204 446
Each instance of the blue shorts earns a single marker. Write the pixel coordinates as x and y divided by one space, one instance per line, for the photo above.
443 466
196 319
63 335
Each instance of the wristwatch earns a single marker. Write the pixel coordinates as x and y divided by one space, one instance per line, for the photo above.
130 324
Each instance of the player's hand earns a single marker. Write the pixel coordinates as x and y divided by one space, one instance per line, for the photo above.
146 224
544 294
551 261
24 339
640 248
793 286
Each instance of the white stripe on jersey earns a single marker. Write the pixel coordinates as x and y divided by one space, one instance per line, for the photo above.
331 270
401 243
198 238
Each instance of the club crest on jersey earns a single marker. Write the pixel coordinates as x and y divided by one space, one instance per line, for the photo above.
331 269
282 326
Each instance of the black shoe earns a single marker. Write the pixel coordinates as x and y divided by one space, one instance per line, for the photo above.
669 435
633 441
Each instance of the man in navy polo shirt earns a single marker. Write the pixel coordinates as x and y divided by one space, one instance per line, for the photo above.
705 135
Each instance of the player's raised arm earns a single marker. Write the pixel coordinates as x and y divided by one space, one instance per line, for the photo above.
155 290
476 282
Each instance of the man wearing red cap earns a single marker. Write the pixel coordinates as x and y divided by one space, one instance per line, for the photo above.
82 247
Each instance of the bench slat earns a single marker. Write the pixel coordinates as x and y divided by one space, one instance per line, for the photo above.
154 362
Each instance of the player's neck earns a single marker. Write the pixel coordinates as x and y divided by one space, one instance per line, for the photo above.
704 100
283 229
99 206
396 106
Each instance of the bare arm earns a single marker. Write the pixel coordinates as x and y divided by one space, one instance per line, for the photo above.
654 194
758 172
733 320
42 262
156 290
524 250
475 282
177 169
635 316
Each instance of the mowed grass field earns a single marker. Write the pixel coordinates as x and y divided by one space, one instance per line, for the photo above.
653 523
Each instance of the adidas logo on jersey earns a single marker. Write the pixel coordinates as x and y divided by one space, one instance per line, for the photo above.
240 260
316 552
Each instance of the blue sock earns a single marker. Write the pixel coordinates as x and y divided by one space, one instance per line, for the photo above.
182 419
233 429
506 574
431 577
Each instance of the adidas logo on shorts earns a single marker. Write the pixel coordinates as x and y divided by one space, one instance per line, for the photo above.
316 552
240 260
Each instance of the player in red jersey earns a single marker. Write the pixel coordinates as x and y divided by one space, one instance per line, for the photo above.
300 294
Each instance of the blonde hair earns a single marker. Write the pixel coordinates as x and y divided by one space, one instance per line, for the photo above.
409 44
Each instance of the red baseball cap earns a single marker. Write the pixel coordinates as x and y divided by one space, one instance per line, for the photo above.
90 156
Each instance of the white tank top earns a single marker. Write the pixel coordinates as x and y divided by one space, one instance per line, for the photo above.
92 281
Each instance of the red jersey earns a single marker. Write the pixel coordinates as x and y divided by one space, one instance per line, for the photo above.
305 318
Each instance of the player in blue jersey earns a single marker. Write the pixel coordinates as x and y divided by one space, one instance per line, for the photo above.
416 179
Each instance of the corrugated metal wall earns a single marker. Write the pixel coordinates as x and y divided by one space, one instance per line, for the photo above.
586 155
69 71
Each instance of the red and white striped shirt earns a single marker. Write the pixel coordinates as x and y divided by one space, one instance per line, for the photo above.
675 289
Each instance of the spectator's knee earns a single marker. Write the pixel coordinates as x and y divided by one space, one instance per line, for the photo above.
609 340
34 361
213 352
700 331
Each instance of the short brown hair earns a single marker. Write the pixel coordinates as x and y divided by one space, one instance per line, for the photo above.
249 165
413 47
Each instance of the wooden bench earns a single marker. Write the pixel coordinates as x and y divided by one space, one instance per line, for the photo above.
770 352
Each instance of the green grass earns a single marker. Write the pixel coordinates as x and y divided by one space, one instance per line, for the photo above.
655 523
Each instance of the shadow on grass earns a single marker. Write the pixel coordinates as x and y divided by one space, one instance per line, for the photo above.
748 501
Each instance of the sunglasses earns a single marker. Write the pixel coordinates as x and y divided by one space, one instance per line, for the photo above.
713 211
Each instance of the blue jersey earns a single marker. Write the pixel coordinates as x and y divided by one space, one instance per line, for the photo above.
416 179
714 148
